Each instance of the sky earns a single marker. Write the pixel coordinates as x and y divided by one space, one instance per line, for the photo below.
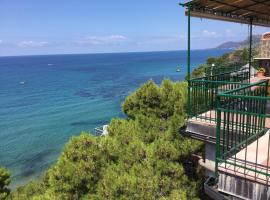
32 27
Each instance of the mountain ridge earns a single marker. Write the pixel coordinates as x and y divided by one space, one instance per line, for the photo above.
234 45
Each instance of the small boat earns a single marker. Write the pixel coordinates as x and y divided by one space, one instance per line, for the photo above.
178 70
22 82
50 64
101 131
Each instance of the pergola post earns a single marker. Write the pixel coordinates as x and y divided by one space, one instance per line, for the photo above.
188 61
250 44
188 5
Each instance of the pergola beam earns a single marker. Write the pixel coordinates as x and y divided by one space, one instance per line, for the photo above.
239 8
232 10
250 45
227 18
254 4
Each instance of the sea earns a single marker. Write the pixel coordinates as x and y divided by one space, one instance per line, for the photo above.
45 100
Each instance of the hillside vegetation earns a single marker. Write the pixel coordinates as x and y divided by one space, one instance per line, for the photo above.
238 57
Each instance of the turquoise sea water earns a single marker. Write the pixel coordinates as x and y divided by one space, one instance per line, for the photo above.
63 95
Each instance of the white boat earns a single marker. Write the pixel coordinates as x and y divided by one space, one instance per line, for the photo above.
178 70
22 82
101 131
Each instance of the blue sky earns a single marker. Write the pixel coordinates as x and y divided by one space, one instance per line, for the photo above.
94 26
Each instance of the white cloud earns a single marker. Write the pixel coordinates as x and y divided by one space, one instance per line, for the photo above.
229 33
31 43
160 40
207 33
103 40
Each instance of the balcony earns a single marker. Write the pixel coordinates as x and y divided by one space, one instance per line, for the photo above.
202 99
228 109
242 141
230 112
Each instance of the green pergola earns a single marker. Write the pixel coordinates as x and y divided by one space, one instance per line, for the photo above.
250 12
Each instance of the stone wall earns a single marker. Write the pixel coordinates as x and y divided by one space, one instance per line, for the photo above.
265 46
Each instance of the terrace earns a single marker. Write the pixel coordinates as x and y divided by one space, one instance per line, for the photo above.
229 109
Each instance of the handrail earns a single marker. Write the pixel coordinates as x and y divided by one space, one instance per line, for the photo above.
203 92
244 87
231 82
220 74
241 118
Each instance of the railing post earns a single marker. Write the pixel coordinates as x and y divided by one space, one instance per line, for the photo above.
218 128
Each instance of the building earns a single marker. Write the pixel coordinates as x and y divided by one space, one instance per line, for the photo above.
228 109
264 53
265 46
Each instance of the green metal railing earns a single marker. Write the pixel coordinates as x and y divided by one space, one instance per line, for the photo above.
203 92
241 118
215 70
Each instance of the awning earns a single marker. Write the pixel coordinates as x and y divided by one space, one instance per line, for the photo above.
239 11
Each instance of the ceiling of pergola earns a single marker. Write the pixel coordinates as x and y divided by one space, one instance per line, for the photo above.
240 11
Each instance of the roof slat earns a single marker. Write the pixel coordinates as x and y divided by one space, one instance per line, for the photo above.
239 11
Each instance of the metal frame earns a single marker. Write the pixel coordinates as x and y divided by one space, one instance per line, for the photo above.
239 13
244 115
204 90
188 5
228 92
250 42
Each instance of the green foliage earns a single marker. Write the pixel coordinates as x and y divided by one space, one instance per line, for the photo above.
79 168
141 158
199 71
245 55
28 191
4 182
211 60
236 58
218 61
156 107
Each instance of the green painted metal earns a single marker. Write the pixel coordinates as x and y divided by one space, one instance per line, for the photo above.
188 62
241 115
250 42
204 90
210 70
218 138
239 109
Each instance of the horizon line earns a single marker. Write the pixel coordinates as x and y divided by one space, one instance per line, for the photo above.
58 54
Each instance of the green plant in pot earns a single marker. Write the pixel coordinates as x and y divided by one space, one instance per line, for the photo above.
261 72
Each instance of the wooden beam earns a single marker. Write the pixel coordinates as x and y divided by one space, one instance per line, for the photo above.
254 4
236 8
213 16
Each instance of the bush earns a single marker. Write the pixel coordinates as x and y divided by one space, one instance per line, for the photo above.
4 182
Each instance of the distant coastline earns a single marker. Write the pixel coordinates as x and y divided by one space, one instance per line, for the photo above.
229 45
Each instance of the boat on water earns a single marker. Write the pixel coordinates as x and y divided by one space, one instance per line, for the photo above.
22 82
178 69
101 131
